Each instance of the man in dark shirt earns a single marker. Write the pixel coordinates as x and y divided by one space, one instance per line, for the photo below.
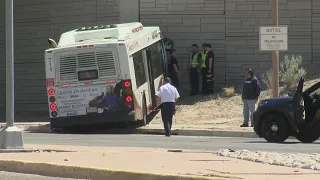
195 61
250 94
173 69
208 70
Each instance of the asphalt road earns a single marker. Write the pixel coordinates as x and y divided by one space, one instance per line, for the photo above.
174 142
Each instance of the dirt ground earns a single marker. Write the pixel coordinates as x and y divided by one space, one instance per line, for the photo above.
213 110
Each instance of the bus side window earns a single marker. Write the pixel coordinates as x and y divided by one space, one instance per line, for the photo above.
139 68
157 60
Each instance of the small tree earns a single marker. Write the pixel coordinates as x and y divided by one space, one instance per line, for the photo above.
266 79
291 71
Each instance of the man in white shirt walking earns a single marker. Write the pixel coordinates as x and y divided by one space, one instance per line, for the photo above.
167 95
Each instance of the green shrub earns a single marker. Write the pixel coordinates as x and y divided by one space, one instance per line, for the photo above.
290 72
266 79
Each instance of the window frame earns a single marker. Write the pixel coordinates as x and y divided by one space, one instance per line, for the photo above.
140 78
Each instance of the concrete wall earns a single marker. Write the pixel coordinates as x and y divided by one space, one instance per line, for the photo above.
231 26
35 22
129 11
188 22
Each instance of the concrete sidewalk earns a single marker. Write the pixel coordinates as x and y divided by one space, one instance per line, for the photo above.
143 164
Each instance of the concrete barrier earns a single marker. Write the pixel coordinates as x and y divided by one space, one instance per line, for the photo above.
54 170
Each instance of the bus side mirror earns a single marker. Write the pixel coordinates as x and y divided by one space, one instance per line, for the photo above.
52 43
168 44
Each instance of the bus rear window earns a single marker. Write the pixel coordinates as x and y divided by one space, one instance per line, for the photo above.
88 75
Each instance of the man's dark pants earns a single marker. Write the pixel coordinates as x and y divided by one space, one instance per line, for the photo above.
174 80
194 81
207 81
167 111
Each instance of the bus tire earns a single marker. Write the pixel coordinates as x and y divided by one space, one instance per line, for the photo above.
144 111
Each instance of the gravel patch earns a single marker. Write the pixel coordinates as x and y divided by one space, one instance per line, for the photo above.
304 161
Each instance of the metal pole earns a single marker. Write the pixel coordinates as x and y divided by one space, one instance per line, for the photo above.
275 54
11 137
9 64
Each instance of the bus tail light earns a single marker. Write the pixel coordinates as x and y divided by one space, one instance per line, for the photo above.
127 84
128 99
128 94
53 106
51 92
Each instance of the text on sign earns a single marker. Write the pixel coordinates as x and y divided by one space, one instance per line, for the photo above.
270 30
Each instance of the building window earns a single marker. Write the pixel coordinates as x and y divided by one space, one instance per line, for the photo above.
139 68
157 59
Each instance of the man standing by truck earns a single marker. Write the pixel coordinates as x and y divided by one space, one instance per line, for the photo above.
250 94
195 61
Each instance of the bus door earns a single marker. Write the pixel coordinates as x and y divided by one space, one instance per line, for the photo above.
151 78
165 54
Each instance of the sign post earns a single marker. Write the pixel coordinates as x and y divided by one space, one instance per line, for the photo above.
11 137
275 39
275 55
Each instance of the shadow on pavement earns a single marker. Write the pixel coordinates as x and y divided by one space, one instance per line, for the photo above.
110 128
265 142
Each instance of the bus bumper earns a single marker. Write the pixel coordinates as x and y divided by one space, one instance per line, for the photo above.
95 119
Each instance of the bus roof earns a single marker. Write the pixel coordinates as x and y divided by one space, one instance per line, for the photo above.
114 32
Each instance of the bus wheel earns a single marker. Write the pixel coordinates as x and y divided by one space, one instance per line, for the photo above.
144 111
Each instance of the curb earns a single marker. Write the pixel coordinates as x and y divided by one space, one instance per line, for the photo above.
55 170
186 132
45 128
213 133
181 132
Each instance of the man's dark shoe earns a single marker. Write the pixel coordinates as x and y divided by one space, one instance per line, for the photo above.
244 125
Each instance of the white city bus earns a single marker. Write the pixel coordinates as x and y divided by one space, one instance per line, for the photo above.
101 74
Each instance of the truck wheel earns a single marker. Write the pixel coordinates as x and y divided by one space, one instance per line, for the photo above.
275 128
309 134
144 111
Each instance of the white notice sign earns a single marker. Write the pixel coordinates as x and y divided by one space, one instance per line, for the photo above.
274 38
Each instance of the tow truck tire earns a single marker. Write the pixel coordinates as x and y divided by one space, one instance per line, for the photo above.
309 134
275 128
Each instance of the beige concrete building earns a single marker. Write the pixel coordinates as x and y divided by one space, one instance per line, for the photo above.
231 26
